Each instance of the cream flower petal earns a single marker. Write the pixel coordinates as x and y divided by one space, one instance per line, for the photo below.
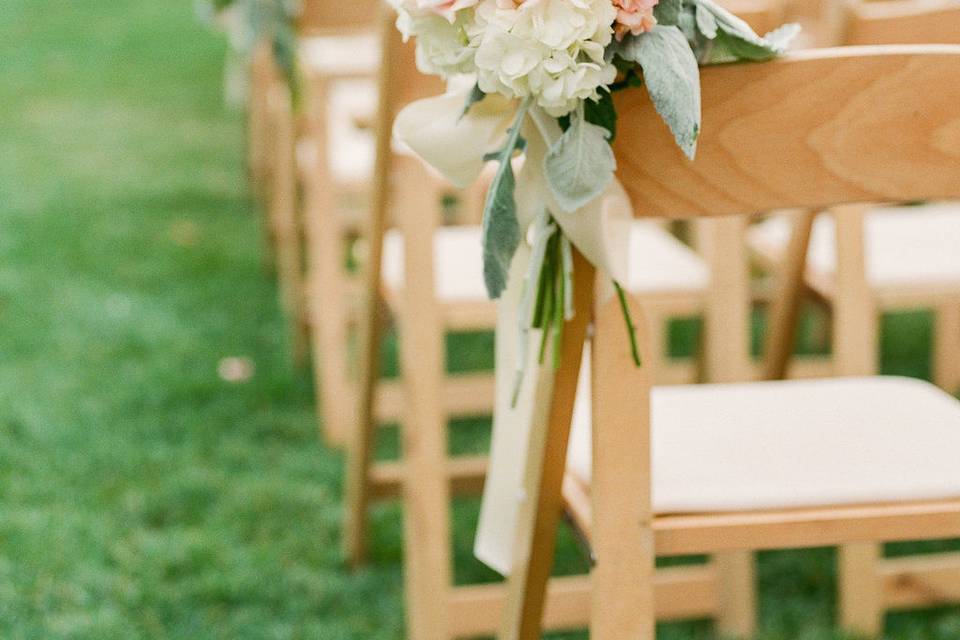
452 145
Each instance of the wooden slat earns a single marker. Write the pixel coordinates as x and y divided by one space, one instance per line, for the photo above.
475 316
681 593
687 534
904 22
801 132
464 395
319 17
920 581
466 475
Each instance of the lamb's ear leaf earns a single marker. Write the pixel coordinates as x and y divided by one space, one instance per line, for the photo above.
735 40
706 22
580 164
602 113
501 229
475 96
667 12
672 77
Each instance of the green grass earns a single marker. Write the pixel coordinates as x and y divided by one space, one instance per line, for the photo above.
141 496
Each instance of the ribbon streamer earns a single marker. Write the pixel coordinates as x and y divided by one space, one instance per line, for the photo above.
454 143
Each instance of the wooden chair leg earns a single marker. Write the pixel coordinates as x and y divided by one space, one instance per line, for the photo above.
726 358
861 607
622 605
357 490
328 308
855 353
284 218
736 574
258 125
539 513
658 359
329 313
426 493
784 314
946 346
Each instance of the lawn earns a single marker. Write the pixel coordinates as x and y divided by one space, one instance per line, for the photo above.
142 495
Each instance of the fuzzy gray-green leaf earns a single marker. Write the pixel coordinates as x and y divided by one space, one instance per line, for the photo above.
735 40
672 78
667 11
706 22
501 229
579 165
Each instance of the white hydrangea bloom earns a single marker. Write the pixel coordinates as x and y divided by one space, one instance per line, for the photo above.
550 49
439 27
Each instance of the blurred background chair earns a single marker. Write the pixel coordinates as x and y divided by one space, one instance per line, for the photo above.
444 262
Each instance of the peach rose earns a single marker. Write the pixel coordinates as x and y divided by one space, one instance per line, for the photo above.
634 16
446 8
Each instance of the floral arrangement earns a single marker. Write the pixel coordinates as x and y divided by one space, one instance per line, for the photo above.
544 72
248 22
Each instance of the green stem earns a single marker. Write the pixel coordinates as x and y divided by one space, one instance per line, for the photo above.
631 329
559 307
513 135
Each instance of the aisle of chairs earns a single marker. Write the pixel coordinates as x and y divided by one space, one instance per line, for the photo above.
364 240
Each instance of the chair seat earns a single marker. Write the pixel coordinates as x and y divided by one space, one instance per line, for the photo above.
340 55
793 444
906 247
660 264
351 149
458 263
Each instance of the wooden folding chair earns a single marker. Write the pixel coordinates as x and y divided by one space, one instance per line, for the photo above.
910 261
334 44
779 464
443 297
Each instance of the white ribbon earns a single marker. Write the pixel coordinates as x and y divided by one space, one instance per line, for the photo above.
454 144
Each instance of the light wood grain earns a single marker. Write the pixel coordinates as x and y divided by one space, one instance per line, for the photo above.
903 22
912 582
318 17
784 313
283 217
726 358
796 133
360 449
802 132
622 605
540 509
688 534
946 345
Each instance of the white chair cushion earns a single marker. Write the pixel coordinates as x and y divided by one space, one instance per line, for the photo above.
906 246
659 263
813 443
347 54
457 263
351 150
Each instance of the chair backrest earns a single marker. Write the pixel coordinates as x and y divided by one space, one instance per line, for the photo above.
810 130
762 15
318 17
813 129
903 22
